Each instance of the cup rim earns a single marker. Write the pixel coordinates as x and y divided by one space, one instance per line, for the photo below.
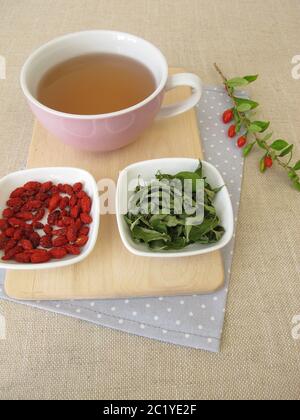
32 56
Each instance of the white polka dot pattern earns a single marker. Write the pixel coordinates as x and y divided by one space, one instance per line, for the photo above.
193 321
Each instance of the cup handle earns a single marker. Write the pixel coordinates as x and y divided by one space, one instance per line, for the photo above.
182 79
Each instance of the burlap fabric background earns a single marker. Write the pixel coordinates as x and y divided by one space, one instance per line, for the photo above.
49 356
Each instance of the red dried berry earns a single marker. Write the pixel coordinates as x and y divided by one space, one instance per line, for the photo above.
67 221
46 241
22 258
35 239
41 256
13 221
3 224
46 186
17 192
73 249
77 187
86 218
60 241
64 203
32 185
68 189
3 241
9 232
85 230
86 204
228 116
72 233
12 252
10 244
38 225
78 224
54 202
268 162
73 201
41 196
18 234
58 253
232 131
81 194
26 244
14 202
39 215
61 187
24 215
242 142
59 232
81 240
34 204
53 217
75 212
7 213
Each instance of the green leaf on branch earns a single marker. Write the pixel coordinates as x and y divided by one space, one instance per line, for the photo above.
279 145
237 82
262 165
297 166
259 126
287 150
243 101
297 185
251 79
244 107
292 175
248 149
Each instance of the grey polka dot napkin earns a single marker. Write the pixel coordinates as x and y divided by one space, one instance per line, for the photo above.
191 321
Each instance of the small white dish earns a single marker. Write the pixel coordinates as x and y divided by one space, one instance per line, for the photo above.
146 171
56 175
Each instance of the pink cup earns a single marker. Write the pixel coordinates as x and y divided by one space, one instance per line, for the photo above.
112 131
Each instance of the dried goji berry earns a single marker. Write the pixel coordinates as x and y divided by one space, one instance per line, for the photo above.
53 217
86 204
58 253
78 224
81 240
67 221
73 249
46 241
38 225
17 192
59 232
24 215
7 213
41 196
35 239
54 202
34 204
74 212
14 202
40 257
73 201
60 241
13 221
32 185
81 194
77 187
68 189
85 230
3 241
46 186
9 232
18 234
3 224
22 258
72 233
64 202
11 253
39 215
86 218
26 244
10 244
61 187
54 190
28 228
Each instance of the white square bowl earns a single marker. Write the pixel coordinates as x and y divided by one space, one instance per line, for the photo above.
56 175
146 171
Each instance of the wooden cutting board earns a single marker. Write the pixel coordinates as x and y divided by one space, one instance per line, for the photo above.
111 271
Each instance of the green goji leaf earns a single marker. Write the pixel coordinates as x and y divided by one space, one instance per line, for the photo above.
262 165
240 101
259 126
251 79
287 150
297 185
279 145
248 149
237 82
244 107
297 166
